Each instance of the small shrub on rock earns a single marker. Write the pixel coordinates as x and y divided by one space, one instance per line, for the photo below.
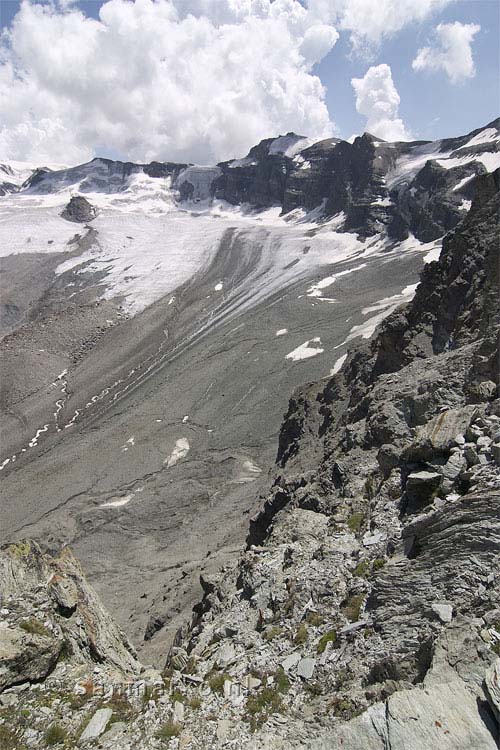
355 522
353 606
168 730
329 637
55 735
216 681
362 569
301 635
314 619
35 627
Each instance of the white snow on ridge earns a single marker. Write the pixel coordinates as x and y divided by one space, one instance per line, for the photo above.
408 165
247 161
488 135
491 160
289 145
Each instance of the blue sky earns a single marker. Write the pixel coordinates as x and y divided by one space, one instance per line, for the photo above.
431 105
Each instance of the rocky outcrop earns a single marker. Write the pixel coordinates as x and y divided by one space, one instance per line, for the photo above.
51 615
80 210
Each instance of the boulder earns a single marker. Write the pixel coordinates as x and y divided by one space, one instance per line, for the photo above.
446 428
495 452
443 611
445 716
388 458
79 210
27 656
97 724
305 668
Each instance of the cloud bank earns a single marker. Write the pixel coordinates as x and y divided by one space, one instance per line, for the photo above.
452 52
377 98
187 80
190 80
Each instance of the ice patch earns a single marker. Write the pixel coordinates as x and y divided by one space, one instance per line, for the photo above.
382 308
382 202
306 350
463 182
180 450
247 161
129 444
465 205
218 287
118 502
338 364
282 332
316 289
433 254
185 419
250 472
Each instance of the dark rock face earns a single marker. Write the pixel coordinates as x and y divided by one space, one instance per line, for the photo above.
259 179
357 179
80 210
8 187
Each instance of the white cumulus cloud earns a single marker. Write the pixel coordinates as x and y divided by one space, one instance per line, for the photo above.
370 21
452 52
187 80
378 100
